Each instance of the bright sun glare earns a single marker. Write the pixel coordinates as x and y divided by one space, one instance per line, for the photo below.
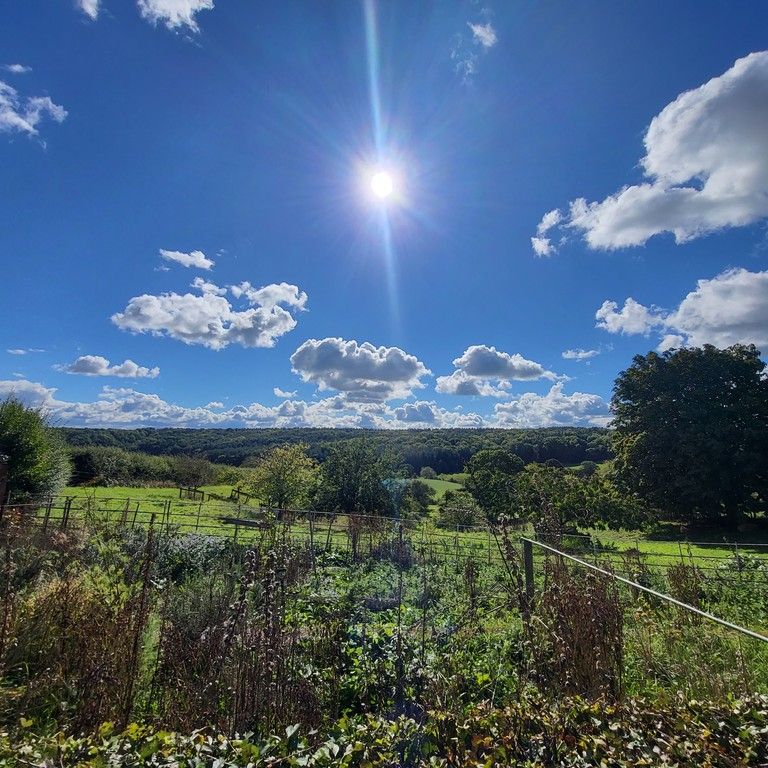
381 185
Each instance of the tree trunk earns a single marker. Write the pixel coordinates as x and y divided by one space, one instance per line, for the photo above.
733 514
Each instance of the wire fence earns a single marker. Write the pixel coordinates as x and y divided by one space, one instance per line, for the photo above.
364 535
361 536
527 543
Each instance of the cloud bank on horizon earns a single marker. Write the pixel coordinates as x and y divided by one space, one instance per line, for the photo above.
126 407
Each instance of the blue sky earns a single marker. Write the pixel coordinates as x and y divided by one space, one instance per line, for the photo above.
189 236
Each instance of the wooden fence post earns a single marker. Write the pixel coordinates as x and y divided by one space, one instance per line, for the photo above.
48 506
3 482
65 513
528 567
312 541
456 547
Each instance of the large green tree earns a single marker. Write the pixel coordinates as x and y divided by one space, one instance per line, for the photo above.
491 481
354 480
691 432
557 501
553 500
284 477
458 509
38 460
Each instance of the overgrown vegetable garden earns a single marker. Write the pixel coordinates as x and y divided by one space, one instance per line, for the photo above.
364 641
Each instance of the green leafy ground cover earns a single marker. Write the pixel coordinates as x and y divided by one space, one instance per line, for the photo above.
455 477
531 733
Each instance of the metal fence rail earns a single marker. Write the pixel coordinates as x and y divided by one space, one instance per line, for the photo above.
528 545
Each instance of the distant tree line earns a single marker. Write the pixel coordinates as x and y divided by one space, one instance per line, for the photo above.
443 450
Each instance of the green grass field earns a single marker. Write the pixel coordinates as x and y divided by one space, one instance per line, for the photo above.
456 477
441 486
137 493
135 506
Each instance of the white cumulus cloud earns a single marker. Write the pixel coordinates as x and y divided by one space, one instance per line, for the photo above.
282 393
90 8
705 163
541 243
174 13
633 317
483 370
487 362
22 114
196 259
210 320
730 308
95 365
362 372
461 383
271 295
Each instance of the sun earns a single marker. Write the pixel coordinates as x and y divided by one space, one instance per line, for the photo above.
382 185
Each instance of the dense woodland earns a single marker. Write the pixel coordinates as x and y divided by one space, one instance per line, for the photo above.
445 450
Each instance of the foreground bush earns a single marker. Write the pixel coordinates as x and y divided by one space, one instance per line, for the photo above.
532 734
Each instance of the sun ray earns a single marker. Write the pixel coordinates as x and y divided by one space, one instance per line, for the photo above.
381 182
